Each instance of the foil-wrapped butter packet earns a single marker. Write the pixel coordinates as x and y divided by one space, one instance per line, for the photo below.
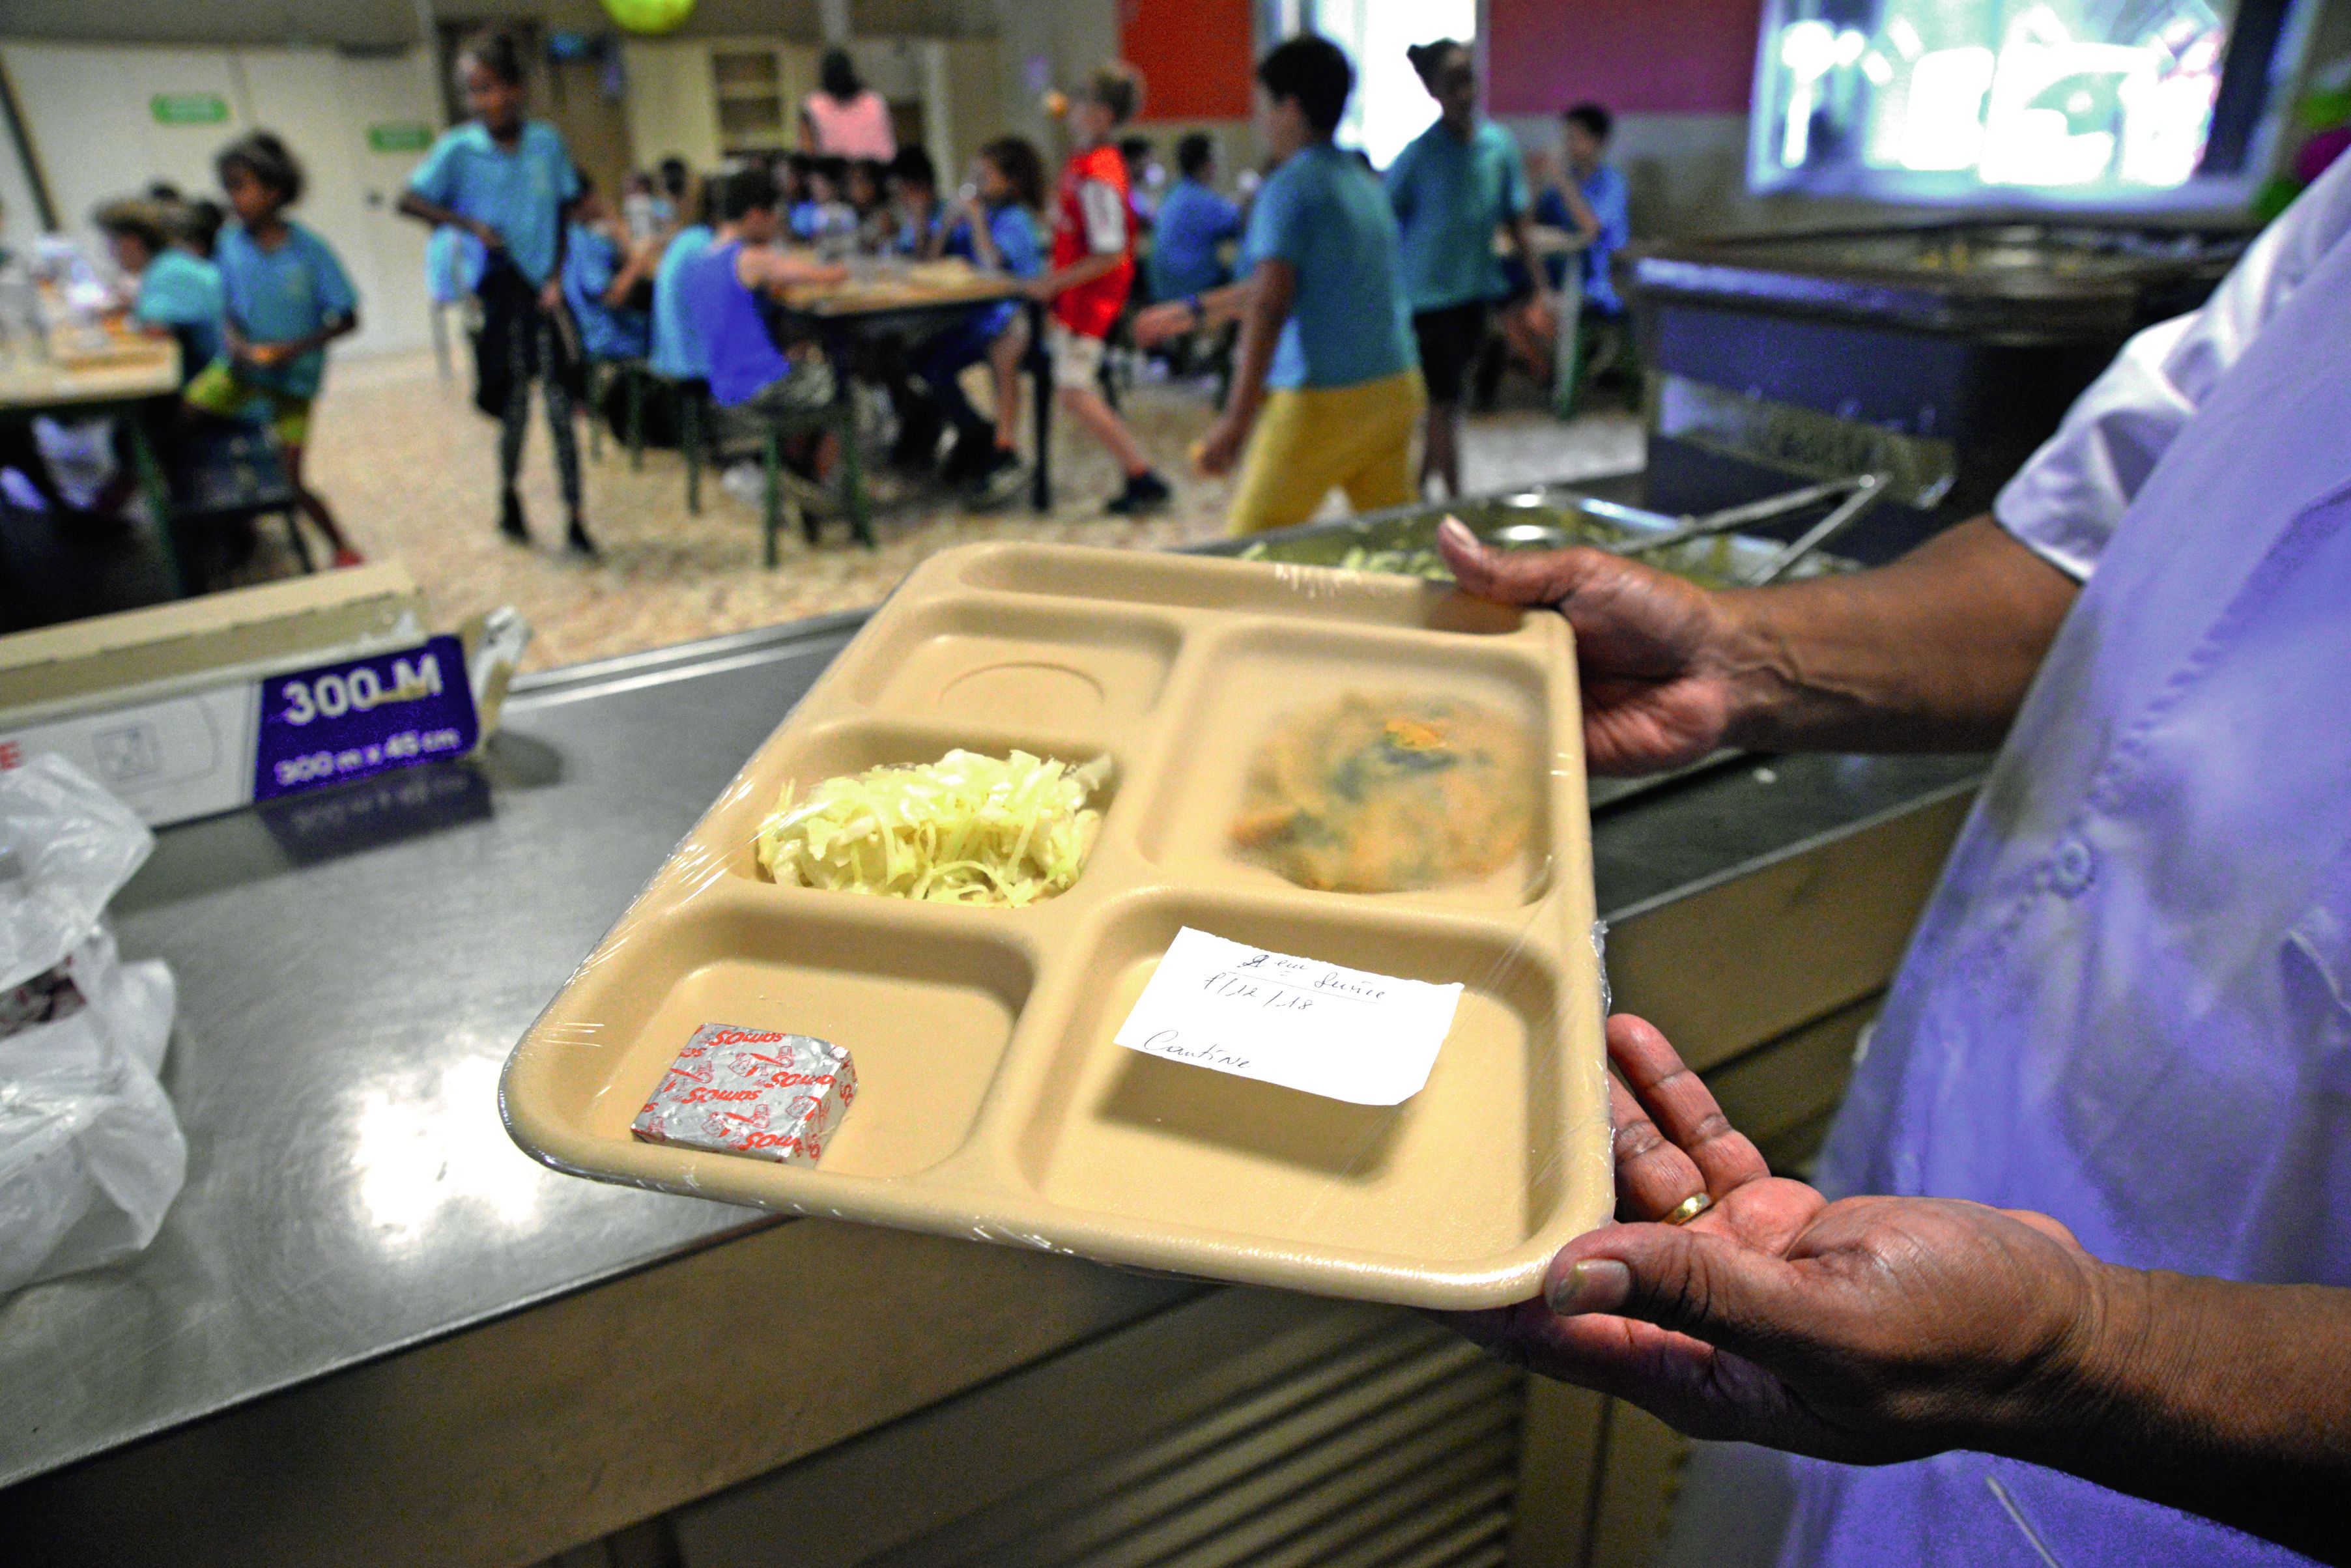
756 1092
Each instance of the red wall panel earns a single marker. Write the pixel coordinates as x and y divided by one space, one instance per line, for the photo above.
1194 56
1638 56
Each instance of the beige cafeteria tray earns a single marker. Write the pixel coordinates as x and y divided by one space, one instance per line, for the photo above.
991 1101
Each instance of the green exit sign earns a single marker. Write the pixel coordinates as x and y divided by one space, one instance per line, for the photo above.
400 136
189 108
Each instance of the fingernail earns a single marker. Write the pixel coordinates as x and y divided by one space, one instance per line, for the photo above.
1596 1285
1457 531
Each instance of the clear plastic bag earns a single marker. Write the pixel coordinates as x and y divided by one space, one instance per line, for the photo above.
91 1155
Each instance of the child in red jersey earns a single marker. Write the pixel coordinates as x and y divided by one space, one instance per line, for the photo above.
1093 269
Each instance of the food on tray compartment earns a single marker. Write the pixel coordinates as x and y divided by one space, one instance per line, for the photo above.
1375 793
756 1092
967 829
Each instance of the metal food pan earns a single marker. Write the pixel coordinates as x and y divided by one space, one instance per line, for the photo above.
1548 516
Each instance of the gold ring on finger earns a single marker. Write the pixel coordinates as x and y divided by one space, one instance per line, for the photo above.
1689 1209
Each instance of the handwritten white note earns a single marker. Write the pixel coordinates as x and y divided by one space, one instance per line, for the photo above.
1299 1022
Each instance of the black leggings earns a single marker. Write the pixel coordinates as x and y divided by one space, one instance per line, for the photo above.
1450 339
532 354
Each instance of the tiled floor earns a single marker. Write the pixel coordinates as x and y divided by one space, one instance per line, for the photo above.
410 468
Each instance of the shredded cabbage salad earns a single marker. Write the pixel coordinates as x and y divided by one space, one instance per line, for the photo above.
967 829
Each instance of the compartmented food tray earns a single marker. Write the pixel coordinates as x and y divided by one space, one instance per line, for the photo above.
991 1099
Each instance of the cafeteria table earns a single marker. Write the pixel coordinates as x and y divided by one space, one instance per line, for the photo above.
911 301
132 378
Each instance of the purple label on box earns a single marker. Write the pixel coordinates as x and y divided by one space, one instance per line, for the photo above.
340 722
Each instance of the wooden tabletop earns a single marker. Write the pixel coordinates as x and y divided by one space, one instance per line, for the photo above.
125 370
912 286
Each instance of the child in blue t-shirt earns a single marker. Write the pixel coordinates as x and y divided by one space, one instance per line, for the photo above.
823 218
603 267
507 180
996 229
178 293
287 297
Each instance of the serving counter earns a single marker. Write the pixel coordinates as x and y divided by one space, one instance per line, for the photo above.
371 1330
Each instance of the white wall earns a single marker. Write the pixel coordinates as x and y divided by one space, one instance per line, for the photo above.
86 113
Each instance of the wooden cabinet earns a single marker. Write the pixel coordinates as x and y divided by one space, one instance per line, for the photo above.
711 100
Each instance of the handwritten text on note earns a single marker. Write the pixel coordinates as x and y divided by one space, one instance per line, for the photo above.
1299 1022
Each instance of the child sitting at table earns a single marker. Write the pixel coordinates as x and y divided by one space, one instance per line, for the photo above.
750 376
997 229
913 183
677 348
870 199
822 217
175 293
287 297
606 275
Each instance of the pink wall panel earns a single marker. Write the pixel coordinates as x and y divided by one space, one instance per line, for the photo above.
1638 56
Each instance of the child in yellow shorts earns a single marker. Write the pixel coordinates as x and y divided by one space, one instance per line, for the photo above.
1327 374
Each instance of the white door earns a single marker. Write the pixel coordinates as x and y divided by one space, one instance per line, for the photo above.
390 102
105 122
354 123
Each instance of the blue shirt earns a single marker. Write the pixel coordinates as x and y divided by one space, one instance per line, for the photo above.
520 192
1605 192
1323 213
813 220
184 292
1019 250
677 351
2128 1004
744 359
1192 222
1450 196
275 296
590 262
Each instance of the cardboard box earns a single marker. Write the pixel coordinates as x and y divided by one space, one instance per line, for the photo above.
185 710
277 625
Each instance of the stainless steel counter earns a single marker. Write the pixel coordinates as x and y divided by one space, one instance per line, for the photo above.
353 969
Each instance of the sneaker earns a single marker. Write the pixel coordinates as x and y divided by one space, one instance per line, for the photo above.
1145 492
917 446
1000 479
576 541
746 482
349 557
510 518
970 458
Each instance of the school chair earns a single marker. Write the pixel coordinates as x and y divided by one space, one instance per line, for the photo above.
786 493
629 376
223 476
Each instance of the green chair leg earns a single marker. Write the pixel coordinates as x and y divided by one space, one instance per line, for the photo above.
690 436
852 485
771 451
636 385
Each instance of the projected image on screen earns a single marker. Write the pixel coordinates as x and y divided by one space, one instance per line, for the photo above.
2098 100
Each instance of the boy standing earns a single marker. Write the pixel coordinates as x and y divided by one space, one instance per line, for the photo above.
1092 270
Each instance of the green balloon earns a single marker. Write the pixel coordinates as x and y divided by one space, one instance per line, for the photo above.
649 16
